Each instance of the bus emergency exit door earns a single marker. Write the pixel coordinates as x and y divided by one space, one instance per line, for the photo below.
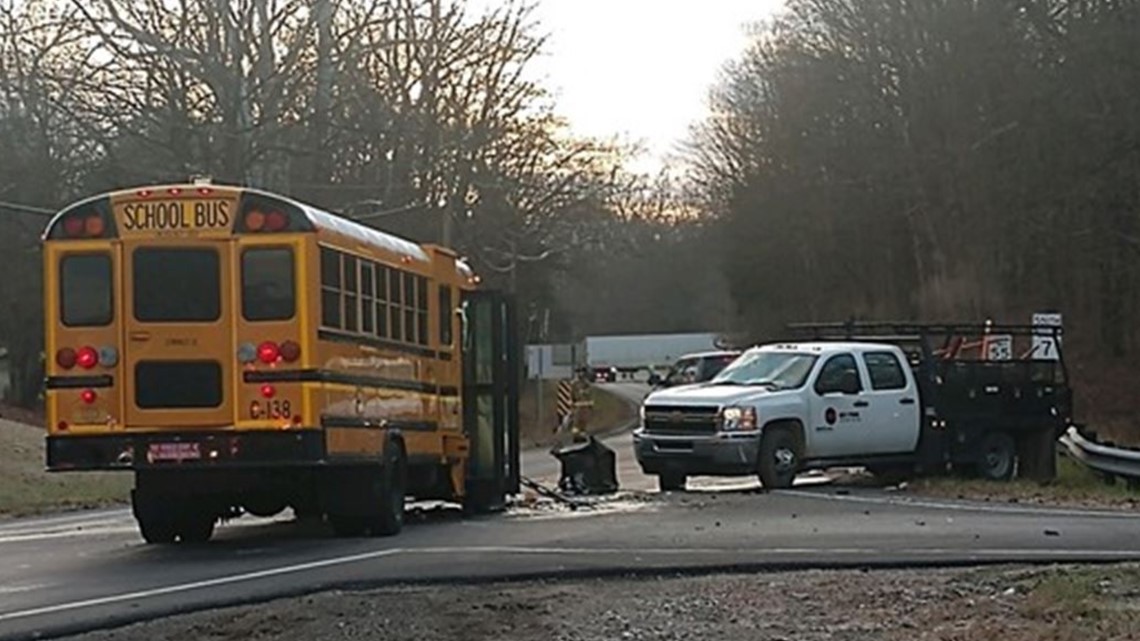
491 397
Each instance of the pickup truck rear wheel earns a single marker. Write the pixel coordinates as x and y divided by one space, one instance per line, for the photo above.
779 459
998 456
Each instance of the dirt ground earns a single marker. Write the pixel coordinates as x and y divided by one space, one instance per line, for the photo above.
1013 604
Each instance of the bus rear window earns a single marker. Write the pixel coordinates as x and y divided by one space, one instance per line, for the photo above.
85 290
177 285
267 290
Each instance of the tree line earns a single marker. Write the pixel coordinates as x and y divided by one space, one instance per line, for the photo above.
932 159
418 117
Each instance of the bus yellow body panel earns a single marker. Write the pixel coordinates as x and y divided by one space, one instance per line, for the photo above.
194 328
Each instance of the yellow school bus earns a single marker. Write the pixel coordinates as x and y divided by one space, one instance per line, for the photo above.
243 352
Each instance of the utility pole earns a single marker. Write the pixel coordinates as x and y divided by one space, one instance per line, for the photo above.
542 327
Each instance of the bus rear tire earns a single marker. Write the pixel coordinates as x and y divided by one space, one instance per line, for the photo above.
347 526
196 527
155 519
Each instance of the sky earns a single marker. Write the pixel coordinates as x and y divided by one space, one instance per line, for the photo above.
640 69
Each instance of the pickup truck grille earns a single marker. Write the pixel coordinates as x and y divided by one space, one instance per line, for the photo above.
665 419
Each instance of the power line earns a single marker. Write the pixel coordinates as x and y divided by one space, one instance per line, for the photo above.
27 209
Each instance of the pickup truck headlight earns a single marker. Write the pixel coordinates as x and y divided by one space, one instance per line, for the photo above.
738 419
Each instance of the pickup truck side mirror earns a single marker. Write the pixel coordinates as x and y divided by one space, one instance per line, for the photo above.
654 379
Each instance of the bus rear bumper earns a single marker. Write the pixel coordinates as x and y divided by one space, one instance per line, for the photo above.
185 450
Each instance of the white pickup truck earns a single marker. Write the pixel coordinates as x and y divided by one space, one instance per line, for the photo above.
782 409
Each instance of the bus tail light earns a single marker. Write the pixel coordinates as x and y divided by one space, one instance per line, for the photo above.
268 352
87 357
65 358
89 396
268 391
290 351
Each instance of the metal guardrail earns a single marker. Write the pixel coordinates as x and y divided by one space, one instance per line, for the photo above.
1109 460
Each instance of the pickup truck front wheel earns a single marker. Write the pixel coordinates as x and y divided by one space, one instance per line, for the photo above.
779 460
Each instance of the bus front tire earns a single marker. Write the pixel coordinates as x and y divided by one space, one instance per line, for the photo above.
391 491
386 488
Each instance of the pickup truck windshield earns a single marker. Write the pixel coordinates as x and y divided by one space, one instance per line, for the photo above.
781 370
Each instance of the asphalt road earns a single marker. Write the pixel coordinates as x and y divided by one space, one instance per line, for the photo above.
76 572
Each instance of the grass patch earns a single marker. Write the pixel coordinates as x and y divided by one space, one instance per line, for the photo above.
25 488
1060 602
610 412
1084 603
1075 485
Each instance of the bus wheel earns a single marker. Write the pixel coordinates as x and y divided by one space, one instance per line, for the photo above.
196 526
391 492
154 518
347 526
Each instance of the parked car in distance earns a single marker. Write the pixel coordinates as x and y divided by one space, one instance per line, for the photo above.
694 368
604 374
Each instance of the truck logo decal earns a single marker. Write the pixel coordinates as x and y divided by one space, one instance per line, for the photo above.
830 416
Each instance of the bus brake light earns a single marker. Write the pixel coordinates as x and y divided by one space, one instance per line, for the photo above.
268 352
89 396
268 391
87 357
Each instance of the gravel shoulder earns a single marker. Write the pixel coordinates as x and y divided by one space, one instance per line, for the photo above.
1061 603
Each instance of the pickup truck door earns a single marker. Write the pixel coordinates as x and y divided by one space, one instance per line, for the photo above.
893 409
839 425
